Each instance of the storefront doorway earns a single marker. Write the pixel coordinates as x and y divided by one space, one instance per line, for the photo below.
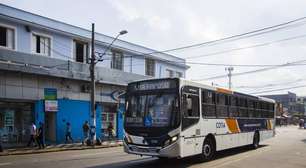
50 127
109 115
15 122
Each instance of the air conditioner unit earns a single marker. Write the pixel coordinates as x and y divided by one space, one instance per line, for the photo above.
85 88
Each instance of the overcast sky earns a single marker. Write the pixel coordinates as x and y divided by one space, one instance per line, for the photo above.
166 24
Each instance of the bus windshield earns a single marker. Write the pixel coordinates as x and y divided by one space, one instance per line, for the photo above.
150 110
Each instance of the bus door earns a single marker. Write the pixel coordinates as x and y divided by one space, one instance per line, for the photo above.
190 119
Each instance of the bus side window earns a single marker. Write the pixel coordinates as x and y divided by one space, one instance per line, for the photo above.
208 104
190 110
189 105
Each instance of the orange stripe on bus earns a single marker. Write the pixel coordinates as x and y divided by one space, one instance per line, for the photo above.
269 124
222 90
232 125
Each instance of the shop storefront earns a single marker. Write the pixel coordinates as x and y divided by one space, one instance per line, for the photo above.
108 116
15 121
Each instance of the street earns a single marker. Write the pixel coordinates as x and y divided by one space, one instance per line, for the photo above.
287 149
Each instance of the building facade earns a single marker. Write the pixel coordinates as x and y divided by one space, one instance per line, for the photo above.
291 102
44 76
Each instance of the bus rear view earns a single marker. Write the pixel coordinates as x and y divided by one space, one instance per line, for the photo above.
152 118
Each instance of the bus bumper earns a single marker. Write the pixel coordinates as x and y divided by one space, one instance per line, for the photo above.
171 151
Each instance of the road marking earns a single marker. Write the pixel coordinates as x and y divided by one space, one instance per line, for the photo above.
237 158
141 160
98 153
5 164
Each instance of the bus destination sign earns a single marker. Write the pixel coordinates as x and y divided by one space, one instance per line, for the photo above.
153 85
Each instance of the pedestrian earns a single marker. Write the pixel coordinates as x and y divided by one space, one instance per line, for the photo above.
68 132
92 134
85 132
40 136
1 149
110 130
32 135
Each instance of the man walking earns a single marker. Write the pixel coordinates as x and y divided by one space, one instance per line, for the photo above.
85 132
32 135
110 130
1 149
68 132
40 136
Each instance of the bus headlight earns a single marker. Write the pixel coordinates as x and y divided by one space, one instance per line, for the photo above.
128 139
173 138
170 140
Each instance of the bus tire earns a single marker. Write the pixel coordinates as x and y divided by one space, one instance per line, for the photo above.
256 140
208 149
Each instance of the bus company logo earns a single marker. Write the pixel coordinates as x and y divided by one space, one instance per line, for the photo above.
220 125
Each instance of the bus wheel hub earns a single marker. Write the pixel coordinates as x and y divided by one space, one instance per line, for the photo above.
207 150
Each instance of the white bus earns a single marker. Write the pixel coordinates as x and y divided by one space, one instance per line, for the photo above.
176 118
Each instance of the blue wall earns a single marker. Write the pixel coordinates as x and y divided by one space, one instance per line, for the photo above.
39 112
73 111
76 112
120 118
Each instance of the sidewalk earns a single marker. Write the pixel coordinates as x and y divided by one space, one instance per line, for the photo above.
57 148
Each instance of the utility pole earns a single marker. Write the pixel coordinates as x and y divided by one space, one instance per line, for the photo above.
92 80
229 69
93 62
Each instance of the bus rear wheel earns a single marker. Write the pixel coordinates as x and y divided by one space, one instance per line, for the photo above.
208 150
255 144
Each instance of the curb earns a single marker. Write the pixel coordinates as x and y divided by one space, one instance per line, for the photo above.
37 151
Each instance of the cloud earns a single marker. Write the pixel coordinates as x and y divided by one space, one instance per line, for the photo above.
165 24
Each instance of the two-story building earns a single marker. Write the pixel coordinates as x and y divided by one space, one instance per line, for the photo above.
44 76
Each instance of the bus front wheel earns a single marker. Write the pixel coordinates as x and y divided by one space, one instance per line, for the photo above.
208 150
256 139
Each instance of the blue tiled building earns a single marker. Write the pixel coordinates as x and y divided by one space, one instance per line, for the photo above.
38 54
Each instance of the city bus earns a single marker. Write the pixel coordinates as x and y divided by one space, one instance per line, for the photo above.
177 118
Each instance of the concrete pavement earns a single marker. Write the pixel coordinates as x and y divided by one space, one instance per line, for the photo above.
58 148
286 150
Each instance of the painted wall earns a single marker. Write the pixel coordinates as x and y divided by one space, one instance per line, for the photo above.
62 48
120 118
73 111
76 113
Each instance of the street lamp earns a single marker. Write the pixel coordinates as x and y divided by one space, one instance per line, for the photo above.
93 62
122 32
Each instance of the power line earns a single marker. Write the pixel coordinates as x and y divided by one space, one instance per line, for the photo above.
233 37
250 72
247 47
273 90
270 85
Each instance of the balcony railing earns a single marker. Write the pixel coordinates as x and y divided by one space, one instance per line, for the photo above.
43 65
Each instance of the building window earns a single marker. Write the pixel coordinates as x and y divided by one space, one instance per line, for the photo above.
41 44
178 74
7 37
80 51
169 73
117 60
150 67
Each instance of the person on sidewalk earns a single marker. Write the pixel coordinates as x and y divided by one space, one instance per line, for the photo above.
85 132
40 136
1 149
32 135
68 133
110 130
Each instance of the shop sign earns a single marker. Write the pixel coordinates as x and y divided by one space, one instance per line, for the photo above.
51 105
50 93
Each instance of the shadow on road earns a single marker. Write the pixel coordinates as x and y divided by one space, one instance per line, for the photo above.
177 163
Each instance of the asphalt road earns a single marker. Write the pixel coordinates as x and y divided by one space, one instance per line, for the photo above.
287 149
